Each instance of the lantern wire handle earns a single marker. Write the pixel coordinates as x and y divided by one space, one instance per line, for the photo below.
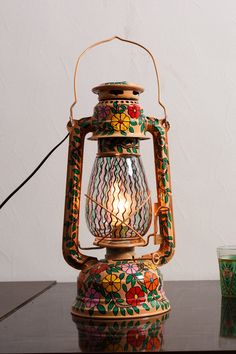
109 40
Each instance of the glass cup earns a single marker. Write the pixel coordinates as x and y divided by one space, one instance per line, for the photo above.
227 265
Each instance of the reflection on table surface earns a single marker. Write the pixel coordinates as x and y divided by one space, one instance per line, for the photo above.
143 334
228 317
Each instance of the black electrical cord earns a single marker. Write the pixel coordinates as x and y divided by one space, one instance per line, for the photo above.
33 173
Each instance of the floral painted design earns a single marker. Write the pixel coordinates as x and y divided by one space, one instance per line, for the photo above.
111 283
125 289
102 111
153 345
135 337
135 296
134 111
91 298
228 277
100 268
120 121
151 281
130 268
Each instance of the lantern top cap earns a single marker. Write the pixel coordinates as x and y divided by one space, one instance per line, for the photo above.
121 89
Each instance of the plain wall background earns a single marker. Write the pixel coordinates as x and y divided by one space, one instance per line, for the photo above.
195 45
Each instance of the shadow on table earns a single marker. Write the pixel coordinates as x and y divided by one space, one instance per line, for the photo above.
144 334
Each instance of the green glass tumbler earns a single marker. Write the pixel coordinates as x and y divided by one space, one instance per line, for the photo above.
227 266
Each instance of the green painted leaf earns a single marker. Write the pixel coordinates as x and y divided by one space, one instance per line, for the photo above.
85 124
121 110
135 150
119 148
117 295
124 287
73 227
135 309
91 311
119 301
145 306
73 252
144 289
131 130
76 138
115 310
130 311
133 281
115 104
122 311
76 171
75 178
123 133
166 198
73 235
108 298
152 303
133 123
163 182
111 131
101 309
128 150
77 131
110 306
70 244
129 278
113 110
121 276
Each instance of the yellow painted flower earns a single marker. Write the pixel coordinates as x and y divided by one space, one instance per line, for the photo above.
111 283
120 121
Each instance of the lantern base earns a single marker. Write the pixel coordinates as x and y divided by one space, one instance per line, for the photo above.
120 289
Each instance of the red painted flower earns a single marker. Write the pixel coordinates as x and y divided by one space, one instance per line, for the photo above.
135 337
135 296
134 111
100 267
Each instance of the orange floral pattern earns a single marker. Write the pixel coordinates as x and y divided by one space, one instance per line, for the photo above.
150 281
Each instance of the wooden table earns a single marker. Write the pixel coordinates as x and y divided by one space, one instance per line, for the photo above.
44 324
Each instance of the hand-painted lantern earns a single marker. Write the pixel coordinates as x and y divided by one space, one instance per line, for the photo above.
118 205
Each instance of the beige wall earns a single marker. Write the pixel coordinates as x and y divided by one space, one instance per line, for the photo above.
195 44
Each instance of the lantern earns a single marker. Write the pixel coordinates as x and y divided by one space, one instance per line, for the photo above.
118 205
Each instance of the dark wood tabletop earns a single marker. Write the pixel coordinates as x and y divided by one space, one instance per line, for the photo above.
198 321
14 295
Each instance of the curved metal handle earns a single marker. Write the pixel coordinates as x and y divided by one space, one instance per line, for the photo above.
163 208
109 40
71 244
